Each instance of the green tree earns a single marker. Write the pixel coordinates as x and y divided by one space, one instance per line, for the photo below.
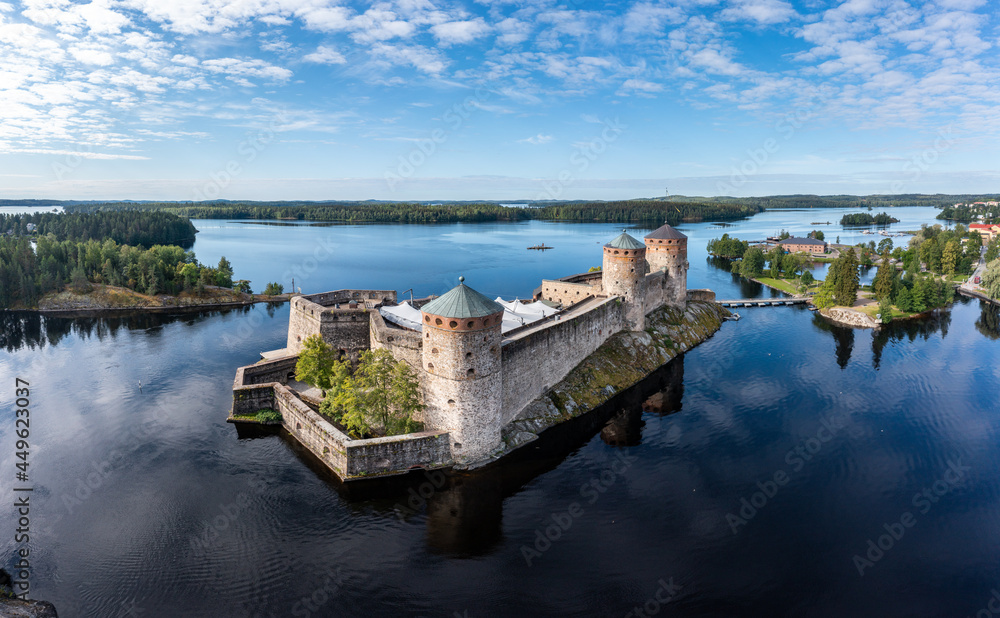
847 279
993 250
79 282
885 310
224 273
317 364
949 257
991 279
975 242
752 265
242 286
904 299
807 277
774 260
885 279
727 247
818 234
885 245
380 398
824 295
274 289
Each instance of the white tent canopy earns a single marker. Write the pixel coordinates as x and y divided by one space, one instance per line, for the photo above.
515 315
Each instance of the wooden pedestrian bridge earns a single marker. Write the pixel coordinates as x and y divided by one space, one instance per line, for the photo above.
763 302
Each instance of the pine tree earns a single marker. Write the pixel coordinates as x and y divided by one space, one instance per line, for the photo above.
885 279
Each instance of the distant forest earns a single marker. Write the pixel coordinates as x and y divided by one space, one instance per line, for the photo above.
628 211
125 227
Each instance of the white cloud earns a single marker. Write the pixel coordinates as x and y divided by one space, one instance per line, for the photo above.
325 55
764 12
83 154
92 56
458 32
537 139
641 86
247 67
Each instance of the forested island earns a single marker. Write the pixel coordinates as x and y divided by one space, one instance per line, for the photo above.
864 218
116 251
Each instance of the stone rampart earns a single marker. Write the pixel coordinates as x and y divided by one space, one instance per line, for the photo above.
350 459
275 370
703 295
346 328
405 345
535 362
622 361
564 292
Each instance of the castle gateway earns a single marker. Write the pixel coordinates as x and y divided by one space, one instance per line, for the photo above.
479 361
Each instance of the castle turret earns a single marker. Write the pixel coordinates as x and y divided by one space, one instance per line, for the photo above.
623 274
463 382
666 250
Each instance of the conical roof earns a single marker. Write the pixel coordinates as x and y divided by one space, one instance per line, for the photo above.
624 241
462 302
665 232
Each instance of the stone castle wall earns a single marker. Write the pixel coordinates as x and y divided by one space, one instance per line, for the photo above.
534 363
405 345
348 458
344 328
567 293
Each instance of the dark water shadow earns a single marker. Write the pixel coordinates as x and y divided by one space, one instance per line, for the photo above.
30 329
463 510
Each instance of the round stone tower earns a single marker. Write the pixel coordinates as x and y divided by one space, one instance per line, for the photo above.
623 274
463 382
666 250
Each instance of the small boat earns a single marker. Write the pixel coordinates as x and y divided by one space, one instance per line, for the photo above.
733 318
540 247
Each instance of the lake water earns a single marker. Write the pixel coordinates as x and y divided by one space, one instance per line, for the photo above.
146 503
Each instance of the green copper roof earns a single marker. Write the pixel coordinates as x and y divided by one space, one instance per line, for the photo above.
624 241
665 232
462 302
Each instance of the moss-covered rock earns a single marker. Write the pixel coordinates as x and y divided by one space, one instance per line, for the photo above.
620 363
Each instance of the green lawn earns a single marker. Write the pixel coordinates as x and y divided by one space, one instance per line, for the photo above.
780 284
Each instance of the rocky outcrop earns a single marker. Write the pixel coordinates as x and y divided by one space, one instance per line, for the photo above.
621 362
849 317
16 608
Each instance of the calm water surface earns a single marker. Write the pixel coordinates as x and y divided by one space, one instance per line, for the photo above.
147 503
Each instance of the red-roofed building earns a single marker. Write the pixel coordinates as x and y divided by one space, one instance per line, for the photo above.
988 231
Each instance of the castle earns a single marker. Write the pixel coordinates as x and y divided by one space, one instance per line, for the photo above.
476 373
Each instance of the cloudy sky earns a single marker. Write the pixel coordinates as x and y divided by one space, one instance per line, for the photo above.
508 99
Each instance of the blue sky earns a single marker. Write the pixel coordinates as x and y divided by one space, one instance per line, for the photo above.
422 99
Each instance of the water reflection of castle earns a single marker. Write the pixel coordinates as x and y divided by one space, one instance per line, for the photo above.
464 510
